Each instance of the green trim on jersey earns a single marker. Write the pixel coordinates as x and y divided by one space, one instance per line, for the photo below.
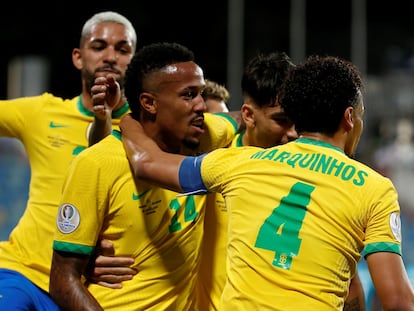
115 114
61 135
320 206
121 111
388 247
239 139
72 248
232 121
318 143
117 134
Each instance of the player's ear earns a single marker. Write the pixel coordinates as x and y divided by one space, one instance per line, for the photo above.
77 58
348 118
148 102
248 116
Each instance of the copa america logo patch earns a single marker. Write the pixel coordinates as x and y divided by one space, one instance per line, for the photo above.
68 218
395 224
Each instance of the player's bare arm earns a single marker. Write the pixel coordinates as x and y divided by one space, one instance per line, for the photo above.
106 97
66 286
146 157
391 281
356 298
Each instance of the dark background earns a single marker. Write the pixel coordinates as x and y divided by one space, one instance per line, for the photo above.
52 30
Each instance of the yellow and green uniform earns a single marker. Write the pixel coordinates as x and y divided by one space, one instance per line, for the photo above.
212 274
53 131
299 217
159 228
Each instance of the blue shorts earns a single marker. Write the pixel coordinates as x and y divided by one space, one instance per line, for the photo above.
20 294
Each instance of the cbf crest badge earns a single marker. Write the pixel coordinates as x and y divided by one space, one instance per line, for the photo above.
68 218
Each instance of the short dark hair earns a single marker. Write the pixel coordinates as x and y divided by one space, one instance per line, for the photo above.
147 60
263 77
317 92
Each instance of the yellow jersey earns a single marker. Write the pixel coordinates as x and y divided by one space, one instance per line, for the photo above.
212 274
53 131
159 228
299 216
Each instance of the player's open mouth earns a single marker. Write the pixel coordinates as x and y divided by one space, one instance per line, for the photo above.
198 123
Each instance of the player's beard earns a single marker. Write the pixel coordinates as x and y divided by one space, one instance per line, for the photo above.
191 144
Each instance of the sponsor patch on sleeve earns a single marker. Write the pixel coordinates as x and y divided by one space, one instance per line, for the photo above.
68 218
395 225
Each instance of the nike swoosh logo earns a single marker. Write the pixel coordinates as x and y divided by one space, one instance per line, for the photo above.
136 197
54 125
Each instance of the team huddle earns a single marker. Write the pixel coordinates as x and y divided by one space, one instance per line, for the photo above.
152 201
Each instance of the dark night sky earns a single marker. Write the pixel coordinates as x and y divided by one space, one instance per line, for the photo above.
53 30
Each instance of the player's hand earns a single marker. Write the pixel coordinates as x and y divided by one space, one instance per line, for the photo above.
109 270
106 96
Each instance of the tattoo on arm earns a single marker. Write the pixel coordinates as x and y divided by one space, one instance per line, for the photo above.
353 305
66 286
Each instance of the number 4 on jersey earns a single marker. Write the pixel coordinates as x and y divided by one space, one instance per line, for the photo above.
280 231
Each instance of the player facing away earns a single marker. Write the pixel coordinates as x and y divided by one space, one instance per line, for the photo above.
300 214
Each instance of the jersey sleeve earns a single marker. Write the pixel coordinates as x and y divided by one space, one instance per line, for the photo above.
207 173
82 208
220 130
17 115
384 223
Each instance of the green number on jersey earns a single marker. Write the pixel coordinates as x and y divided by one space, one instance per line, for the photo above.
280 231
190 212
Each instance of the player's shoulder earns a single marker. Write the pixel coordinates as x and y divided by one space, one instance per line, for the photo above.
107 146
50 96
49 100
234 155
374 176
212 119
102 155
44 98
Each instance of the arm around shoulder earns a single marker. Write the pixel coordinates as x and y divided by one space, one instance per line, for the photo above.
147 159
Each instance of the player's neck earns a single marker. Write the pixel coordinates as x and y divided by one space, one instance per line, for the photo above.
86 100
336 140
